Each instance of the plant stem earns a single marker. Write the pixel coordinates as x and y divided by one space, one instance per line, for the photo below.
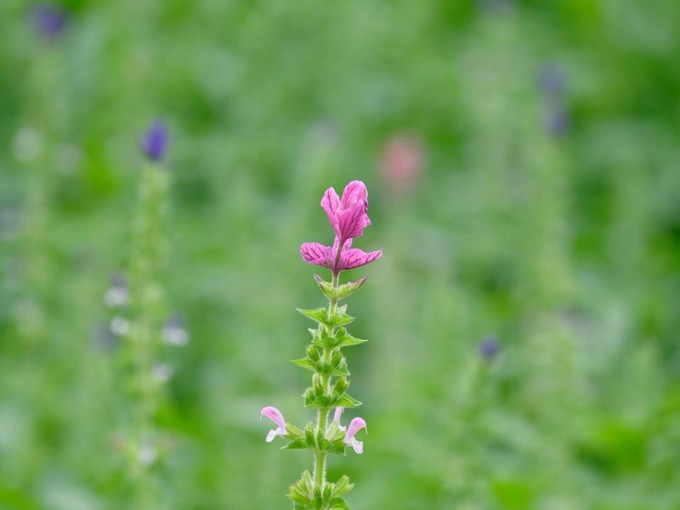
322 416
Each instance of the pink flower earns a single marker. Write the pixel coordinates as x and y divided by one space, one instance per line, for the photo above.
355 426
401 163
347 215
336 417
327 256
274 415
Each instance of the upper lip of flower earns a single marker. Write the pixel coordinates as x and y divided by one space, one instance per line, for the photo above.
274 415
355 426
347 215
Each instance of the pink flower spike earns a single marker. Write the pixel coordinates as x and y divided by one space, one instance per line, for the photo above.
355 426
274 415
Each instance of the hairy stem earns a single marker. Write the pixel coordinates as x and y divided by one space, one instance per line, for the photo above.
322 416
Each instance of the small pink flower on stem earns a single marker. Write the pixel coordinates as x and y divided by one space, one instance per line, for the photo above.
355 426
274 415
336 417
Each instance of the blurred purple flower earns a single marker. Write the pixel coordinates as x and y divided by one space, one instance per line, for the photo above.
553 80
155 141
556 117
489 347
50 20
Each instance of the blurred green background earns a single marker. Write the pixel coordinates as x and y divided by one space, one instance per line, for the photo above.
523 165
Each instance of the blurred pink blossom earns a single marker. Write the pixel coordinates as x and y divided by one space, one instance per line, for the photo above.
401 163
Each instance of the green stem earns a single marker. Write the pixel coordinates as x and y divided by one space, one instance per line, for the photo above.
322 416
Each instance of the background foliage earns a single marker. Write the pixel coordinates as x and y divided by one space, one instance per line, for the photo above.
546 216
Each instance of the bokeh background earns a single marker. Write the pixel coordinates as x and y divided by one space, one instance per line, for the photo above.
523 165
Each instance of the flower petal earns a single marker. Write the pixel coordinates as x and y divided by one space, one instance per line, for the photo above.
274 415
354 192
352 221
354 426
338 414
358 446
331 203
354 257
316 253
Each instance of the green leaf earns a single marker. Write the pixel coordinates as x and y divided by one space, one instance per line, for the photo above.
293 431
342 291
339 504
342 486
347 401
337 446
319 315
349 288
305 363
326 287
340 318
297 444
344 339
310 437
340 385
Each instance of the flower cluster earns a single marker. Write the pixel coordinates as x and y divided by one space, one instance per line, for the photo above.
348 217
330 380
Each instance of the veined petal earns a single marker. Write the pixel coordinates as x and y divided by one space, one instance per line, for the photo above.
352 221
354 257
316 253
330 202
354 192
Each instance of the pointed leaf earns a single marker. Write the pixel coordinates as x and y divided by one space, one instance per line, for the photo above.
342 486
347 401
305 363
318 314
349 288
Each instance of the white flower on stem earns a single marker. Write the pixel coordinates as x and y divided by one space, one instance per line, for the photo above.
274 415
355 426
174 331
119 326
